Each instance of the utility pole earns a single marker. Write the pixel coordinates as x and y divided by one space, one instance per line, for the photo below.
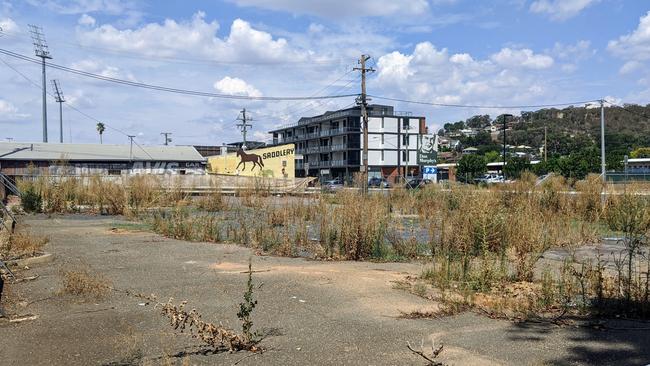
41 50
363 102
545 146
167 138
504 148
131 150
244 125
58 97
603 168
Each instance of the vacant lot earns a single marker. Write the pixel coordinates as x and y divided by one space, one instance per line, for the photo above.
309 312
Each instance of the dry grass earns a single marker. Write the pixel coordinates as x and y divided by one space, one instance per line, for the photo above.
85 283
22 244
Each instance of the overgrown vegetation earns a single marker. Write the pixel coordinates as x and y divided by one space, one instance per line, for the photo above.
484 246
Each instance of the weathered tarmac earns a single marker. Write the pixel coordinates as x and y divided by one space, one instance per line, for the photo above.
310 312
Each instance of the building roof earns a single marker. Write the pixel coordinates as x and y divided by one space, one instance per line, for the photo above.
639 160
96 152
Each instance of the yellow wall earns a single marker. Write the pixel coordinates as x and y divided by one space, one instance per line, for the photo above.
278 161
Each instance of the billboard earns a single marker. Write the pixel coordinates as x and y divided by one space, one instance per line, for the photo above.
272 162
428 150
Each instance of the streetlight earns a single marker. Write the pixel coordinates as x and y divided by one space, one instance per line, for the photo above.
504 144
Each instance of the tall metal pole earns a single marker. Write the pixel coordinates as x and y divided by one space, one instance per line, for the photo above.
131 149
504 148
41 50
603 167
59 98
363 102
61 122
44 103
244 126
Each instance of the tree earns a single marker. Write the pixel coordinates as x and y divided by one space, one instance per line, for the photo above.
515 166
470 167
492 156
101 128
479 121
642 152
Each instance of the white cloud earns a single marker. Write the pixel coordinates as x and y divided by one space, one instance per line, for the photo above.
87 20
194 38
431 74
236 86
9 111
113 7
8 25
560 10
636 45
342 8
515 58
101 68
572 54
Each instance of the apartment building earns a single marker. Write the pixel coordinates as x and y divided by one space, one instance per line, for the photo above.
330 145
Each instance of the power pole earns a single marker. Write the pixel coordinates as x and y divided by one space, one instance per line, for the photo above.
167 138
131 150
41 50
603 168
363 102
545 146
58 97
244 125
504 148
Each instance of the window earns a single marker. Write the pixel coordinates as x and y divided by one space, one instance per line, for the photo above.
382 140
405 140
382 125
405 155
114 172
382 152
405 124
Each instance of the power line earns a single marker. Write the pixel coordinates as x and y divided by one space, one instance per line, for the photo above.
68 105
168 89
483 106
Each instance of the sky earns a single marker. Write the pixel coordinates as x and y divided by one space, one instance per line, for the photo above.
478 53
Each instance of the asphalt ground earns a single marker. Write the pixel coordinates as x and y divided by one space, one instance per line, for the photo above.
308 312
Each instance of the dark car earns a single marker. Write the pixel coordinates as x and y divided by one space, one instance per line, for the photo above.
416 183
379 182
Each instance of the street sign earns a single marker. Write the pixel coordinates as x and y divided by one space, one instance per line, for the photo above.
430 172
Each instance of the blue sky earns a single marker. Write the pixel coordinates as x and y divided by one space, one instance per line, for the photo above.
508 52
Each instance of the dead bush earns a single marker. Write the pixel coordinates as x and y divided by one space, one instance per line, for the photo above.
85 282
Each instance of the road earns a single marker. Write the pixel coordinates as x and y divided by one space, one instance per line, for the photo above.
310 312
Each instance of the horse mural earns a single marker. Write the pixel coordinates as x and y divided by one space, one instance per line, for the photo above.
254 158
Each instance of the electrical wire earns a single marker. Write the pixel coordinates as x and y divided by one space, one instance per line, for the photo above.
71 106
164 88
482 106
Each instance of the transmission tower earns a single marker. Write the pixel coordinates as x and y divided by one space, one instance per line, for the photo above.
244 125
59 98
41 50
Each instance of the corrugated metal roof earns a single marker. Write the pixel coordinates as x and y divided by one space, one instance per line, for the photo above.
95 152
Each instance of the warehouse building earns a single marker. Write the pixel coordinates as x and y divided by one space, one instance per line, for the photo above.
18 159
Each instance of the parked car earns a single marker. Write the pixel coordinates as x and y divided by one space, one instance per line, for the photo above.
332 184
379 182
416 183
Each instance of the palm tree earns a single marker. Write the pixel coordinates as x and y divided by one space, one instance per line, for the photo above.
101 128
